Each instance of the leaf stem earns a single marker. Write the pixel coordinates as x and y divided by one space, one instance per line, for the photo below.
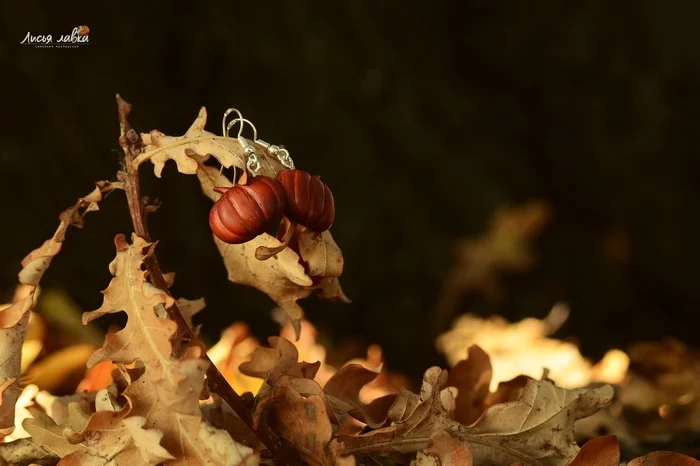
131 143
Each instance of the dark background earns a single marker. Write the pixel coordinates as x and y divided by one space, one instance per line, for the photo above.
423 120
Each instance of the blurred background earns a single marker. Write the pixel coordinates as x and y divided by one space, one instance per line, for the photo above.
427 123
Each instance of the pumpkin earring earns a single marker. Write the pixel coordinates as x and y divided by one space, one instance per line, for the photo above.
309 201
245 211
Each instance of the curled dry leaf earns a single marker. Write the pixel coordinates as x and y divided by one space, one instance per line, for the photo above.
664 458
415 418
471 377
14 318
303 420
343 392
106 437
600 451
444 450
272 363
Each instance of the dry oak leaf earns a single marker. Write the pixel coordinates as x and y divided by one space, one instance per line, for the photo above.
162 391
160 148
664 458
14 318
343 392
416 418
472 378
25 452
321 254
107 437
145 336
535 429
271 363
282 277
444 450
599 451
304 421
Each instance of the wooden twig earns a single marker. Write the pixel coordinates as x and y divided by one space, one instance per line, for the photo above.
131 143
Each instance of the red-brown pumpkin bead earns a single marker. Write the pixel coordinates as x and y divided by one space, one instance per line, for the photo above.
246 211
309 200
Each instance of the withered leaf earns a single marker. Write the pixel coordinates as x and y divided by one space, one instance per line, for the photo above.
271 363
444 450
47 433
415 419
145 336
343 392
304 421
162 391
472 378
321 253
197 141
599 451
14 318
25 451
664 458
537 428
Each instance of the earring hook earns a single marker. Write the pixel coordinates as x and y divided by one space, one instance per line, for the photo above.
240 131
224 129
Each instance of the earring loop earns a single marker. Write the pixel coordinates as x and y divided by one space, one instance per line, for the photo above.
281 153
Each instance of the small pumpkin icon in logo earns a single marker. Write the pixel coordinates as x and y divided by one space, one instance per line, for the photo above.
83 30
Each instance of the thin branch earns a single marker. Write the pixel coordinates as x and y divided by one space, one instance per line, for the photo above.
131 143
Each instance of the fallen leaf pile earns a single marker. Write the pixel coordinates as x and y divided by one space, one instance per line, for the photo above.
149 395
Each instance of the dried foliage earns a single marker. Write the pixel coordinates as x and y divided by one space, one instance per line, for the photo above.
151 395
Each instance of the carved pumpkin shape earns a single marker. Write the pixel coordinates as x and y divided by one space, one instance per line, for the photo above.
246 211
309 201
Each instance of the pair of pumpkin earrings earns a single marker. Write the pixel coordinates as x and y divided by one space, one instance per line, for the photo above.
247 210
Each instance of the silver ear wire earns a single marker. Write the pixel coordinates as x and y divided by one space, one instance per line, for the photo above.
225 129
252 161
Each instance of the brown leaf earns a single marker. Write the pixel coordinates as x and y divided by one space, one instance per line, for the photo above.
537 428
304 422
448 450
321 254
199 142
25 451
599 451
343 392
163 393
664 458
47 433
14 319
415 419
145 336
271 363
471 377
